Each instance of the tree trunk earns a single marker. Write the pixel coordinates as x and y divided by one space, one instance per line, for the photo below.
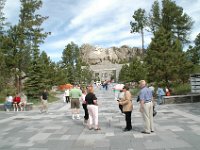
142 34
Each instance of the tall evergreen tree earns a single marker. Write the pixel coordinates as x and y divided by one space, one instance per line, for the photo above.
124 74
194 52
86 75
5 72
30 28
162 61
31 23
172 18
154 19
68 62
78 64
139 23
137 70
184 66
71 60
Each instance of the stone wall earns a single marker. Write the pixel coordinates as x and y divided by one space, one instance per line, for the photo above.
29 106
191 98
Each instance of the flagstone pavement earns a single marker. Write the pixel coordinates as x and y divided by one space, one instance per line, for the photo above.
177 127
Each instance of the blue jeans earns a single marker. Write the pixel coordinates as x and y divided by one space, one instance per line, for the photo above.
7 105
160 99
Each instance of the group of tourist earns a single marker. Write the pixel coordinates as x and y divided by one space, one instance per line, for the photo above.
90 106
146 106
18 102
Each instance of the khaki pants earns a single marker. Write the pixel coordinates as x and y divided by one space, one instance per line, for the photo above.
44 106
148 117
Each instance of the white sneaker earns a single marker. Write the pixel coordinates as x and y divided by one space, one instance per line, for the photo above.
73 117
78 116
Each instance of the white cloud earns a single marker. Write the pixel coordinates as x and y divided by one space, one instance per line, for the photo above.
59 44
55 55
11 10
100 22
91 11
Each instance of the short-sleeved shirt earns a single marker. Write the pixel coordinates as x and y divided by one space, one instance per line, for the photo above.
44 95
89 98
66 93
75 93
160 92
17 99
146 94
9 99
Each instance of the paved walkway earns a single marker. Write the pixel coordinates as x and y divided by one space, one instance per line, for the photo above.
177 128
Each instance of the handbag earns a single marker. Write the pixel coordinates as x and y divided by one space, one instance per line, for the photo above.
138 98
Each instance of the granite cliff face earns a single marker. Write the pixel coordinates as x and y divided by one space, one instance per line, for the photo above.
96 55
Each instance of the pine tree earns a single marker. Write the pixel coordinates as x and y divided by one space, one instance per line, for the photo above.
124 74
137 70
161 59
172 18
5 72
194 52
154 19
184 66
31 23
68 62
2 18
35 81
139 23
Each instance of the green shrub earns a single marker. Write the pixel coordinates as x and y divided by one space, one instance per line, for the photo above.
4 93
181 89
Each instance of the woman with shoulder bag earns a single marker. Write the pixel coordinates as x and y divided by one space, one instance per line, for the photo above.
126 102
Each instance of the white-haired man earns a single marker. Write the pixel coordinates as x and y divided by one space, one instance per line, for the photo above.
146 107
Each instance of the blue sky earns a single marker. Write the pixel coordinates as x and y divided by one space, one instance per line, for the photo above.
104 23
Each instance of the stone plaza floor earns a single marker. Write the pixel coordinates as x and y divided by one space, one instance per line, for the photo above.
177 127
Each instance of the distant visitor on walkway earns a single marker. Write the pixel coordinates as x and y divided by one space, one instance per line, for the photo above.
44 101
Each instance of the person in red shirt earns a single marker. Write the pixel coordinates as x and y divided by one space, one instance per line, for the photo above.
16 102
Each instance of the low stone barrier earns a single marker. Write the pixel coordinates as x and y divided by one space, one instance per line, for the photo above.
29 106
190 98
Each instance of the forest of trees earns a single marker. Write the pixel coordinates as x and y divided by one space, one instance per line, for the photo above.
165 59
23 65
